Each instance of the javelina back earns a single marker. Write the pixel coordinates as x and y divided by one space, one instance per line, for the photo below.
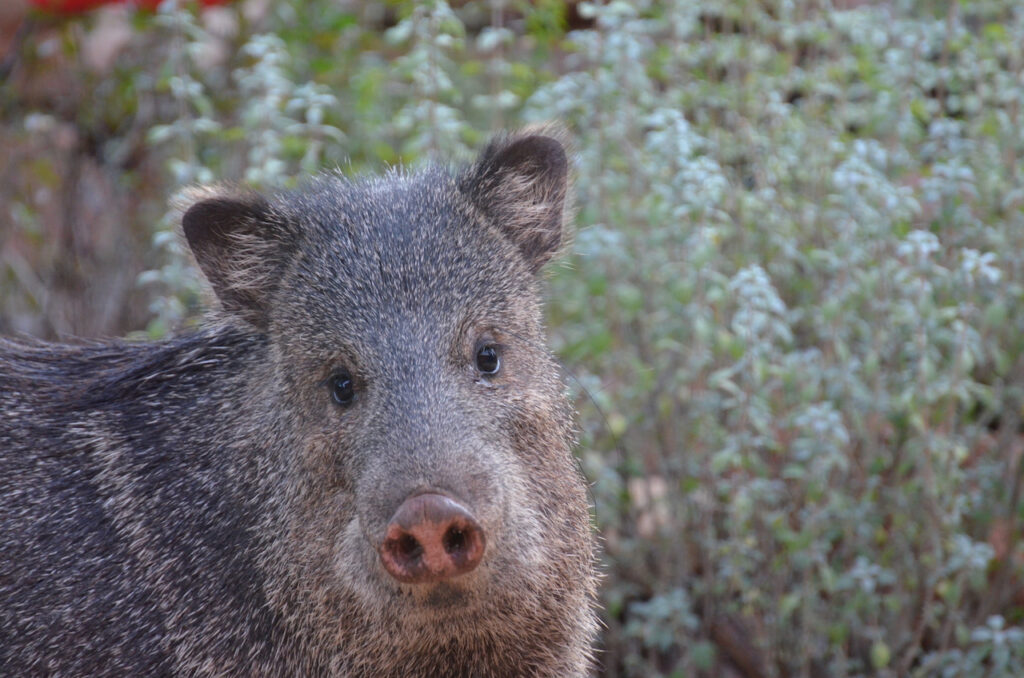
359 466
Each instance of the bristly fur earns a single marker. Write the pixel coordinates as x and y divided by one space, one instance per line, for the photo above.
201 506
563 136
528 199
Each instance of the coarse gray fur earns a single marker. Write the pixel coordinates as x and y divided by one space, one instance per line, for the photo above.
201 506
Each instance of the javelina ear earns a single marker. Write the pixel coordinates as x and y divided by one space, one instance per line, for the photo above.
520 183
241 248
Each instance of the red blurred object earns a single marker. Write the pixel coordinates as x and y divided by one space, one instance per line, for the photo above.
76 6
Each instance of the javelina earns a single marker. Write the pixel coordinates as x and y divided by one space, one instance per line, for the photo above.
359 466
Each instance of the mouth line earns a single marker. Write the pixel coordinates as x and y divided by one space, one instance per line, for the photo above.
440 595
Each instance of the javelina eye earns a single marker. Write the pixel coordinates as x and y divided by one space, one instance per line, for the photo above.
342 390
487 359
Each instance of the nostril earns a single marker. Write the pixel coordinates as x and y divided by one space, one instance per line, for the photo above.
454 540
408 548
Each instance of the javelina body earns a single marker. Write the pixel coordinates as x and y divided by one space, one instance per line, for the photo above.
360 466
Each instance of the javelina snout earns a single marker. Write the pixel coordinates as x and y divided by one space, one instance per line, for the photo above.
433 495
430 538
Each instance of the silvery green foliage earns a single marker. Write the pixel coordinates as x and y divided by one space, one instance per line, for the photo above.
430 121
274 110
796 301
275 107
194 125
989 649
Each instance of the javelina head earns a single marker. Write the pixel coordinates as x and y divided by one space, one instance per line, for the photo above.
421 501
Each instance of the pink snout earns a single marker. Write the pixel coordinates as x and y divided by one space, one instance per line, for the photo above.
431 538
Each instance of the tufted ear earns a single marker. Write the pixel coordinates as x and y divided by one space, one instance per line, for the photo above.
520 182
241 247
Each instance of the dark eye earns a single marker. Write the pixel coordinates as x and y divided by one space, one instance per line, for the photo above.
487 359
342 389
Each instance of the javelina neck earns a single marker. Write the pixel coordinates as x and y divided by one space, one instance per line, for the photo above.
161 434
